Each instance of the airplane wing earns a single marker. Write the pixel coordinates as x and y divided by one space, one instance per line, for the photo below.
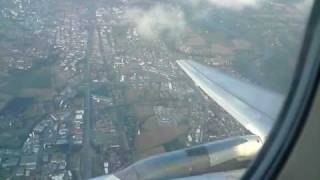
252 106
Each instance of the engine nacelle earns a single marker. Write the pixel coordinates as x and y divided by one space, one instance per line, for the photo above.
225 155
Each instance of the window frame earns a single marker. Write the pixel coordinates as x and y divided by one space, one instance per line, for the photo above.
297 106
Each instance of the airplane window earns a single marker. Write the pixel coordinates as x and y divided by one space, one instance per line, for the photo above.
142 89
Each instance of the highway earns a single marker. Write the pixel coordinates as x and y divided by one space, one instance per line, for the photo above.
87 151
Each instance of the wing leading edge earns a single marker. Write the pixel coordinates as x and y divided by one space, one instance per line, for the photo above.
252 106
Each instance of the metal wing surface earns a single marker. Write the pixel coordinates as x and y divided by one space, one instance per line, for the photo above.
254 107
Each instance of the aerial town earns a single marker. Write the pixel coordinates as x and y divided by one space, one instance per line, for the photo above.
89 87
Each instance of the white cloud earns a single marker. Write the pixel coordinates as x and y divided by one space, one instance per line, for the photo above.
157 21
304 5
229 4
194 2
235 4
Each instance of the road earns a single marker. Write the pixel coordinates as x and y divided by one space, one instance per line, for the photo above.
87 151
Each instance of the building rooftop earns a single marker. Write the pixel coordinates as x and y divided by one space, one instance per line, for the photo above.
28 160
12 161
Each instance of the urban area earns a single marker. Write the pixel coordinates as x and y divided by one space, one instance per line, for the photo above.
89 87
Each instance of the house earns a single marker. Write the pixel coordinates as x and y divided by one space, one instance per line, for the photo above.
10 162
20 171
29 161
